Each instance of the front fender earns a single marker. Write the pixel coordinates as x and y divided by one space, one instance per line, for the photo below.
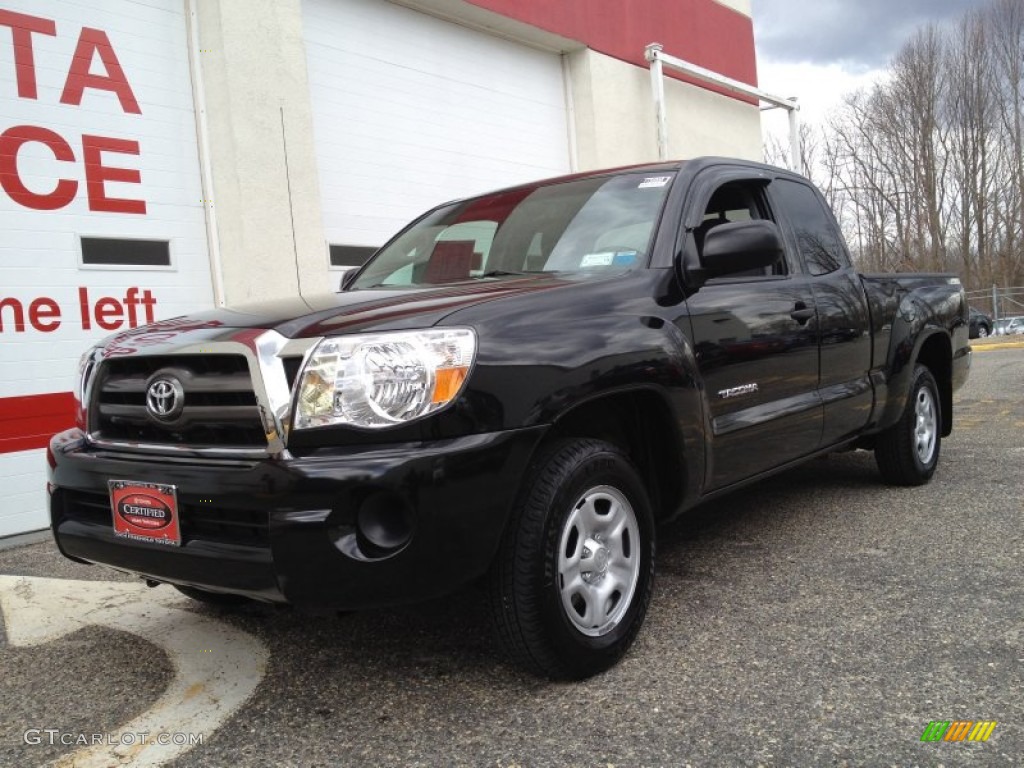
668 399
544 357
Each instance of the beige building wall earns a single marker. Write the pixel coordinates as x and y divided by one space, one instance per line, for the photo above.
260 146
258 143
615 123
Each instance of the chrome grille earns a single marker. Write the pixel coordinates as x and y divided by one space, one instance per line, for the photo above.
220 405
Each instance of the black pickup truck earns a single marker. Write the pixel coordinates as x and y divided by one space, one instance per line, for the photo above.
520 386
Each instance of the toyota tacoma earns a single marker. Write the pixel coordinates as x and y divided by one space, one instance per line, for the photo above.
520 387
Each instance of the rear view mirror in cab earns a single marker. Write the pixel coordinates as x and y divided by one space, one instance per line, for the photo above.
740 246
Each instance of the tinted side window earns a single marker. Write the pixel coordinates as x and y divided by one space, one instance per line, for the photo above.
815 234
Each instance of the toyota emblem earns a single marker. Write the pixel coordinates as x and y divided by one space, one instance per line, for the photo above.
165 398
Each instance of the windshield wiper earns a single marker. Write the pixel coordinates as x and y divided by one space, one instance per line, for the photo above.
504 273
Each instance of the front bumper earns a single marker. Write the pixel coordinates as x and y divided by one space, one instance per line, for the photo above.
291 530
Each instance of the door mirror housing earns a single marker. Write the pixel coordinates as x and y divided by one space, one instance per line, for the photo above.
741 245
735 247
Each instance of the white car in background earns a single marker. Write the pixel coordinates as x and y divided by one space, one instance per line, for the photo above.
1009 326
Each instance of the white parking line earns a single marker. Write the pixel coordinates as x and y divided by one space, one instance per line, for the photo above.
216 667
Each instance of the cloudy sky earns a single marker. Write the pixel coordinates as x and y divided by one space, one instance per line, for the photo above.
817 50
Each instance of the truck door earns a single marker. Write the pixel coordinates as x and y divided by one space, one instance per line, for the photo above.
755 337
843 323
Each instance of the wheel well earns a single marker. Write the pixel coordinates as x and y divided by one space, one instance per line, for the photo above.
640 423
937 356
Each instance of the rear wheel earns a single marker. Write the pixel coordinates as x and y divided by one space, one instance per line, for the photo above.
574 574
908 452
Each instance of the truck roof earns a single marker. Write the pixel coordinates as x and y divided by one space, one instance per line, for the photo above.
693 165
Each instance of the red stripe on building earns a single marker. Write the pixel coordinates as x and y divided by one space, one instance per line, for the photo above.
30 421
703 32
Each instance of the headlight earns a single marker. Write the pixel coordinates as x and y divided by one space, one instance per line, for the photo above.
383 379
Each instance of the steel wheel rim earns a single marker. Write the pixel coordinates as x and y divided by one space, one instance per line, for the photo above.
982 332
599 560
926 425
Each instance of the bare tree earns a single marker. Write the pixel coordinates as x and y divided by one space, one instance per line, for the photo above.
926 170
970 112
1006 32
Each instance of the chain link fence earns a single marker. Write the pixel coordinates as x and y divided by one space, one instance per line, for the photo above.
1000 304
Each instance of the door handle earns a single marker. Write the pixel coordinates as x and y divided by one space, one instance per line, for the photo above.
802 313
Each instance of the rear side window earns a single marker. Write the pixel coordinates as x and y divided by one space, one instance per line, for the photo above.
812 226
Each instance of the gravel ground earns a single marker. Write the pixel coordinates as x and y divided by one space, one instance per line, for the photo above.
815 619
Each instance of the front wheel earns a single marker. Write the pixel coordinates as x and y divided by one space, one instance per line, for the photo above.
573 577
908 451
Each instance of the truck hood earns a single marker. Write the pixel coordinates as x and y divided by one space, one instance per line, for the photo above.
375 309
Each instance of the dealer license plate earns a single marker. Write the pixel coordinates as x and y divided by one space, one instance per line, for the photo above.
146 512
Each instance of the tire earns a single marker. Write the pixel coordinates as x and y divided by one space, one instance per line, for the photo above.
583 504
983 331
217 599
908 451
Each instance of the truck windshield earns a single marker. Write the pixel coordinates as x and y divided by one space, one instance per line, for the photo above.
591 226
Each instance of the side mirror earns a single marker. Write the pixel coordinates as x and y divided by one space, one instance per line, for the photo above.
740 246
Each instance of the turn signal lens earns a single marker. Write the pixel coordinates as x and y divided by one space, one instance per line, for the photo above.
448 383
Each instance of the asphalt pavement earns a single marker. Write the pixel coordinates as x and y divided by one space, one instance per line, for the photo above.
816 619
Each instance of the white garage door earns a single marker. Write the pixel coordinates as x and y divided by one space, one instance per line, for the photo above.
410 111
101 214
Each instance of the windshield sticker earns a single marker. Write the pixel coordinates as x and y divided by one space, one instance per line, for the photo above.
598 259
654 181
609 259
